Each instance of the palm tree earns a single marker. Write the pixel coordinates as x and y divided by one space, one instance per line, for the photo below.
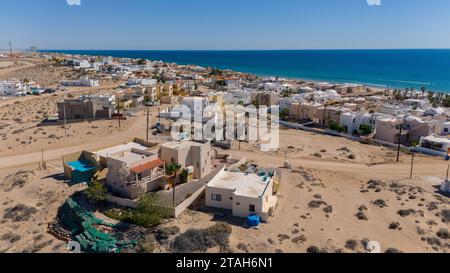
431 96
423 89
172 173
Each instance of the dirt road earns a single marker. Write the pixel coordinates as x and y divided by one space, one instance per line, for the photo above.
137 130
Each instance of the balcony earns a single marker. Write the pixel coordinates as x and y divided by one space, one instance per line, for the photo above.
155 175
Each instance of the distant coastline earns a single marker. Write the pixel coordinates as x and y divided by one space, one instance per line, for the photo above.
378 68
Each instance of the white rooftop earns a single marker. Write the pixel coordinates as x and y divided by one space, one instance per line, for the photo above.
133 157
120 148
250 185
181 144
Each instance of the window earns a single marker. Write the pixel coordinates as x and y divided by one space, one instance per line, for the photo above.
251 208
446 130
216 197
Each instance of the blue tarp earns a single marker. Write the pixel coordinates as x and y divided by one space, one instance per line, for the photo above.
253 220
83 171
81 166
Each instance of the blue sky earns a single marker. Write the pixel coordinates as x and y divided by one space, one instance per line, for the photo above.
225 24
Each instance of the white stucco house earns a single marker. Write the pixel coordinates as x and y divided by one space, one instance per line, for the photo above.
352 121
244 194
82 82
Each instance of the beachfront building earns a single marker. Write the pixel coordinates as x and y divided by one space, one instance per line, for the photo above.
244 194
190 155
82 82
86 108
348 88
322 86
134 172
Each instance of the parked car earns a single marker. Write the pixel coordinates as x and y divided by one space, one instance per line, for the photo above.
49 91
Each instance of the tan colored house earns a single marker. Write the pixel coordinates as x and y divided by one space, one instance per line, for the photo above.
84 108
243 194
165 90
265 98
418 128
387 129
134 172
326 116
189 154
413 129
152 93
305 111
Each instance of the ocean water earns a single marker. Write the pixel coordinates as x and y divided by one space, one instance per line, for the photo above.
383 68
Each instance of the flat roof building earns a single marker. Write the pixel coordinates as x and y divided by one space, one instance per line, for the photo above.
189 154
133 172
245 194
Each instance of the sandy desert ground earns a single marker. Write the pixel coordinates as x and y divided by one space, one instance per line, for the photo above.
335 204
339 195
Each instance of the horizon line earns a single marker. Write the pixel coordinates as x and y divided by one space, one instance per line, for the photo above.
321 49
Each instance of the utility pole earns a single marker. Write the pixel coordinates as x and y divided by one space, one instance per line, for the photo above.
412 166
159 115
399 142
65 118
148 121
118 110
10 50
448 169
44 165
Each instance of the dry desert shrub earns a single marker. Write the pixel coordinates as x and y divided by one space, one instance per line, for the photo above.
17 180
200 240
19 213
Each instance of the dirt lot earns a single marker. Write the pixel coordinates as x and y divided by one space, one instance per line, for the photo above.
336 204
